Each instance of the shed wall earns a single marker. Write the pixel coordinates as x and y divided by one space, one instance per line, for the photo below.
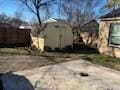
58 35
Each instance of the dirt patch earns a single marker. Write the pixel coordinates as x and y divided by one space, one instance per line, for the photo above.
11 63
21 62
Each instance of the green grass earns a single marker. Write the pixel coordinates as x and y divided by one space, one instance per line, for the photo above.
107 61
13 51
19 51
95 57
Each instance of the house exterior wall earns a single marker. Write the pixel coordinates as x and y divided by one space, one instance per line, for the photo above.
103 44
89 34
58 35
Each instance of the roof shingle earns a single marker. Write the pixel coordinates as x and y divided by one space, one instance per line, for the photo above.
114 13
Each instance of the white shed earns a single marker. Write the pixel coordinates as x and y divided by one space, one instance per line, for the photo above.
57 34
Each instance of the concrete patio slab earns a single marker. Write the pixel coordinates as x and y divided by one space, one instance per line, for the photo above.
65 76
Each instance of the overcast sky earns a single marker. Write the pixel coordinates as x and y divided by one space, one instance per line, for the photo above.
9 7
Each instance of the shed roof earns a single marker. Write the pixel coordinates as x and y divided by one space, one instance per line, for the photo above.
52 20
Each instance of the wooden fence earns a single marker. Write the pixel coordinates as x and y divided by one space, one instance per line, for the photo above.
11 36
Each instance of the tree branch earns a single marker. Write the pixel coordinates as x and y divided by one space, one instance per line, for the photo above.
26 4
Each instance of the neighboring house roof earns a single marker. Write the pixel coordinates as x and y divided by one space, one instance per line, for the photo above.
91 26
112 14
88 22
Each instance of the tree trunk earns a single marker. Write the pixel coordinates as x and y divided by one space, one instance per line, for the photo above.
39 30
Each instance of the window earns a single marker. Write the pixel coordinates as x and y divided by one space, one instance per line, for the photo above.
114 36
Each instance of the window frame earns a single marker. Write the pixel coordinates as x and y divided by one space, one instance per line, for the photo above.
109 38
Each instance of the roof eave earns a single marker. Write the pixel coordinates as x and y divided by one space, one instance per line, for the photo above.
110 19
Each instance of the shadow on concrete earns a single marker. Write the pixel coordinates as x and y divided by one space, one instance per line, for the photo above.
83 49
79 49
11 81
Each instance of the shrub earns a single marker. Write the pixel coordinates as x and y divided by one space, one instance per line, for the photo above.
47 48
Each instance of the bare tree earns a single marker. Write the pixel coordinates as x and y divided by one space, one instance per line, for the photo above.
109 6
15 20
112 4
38 8
78 12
